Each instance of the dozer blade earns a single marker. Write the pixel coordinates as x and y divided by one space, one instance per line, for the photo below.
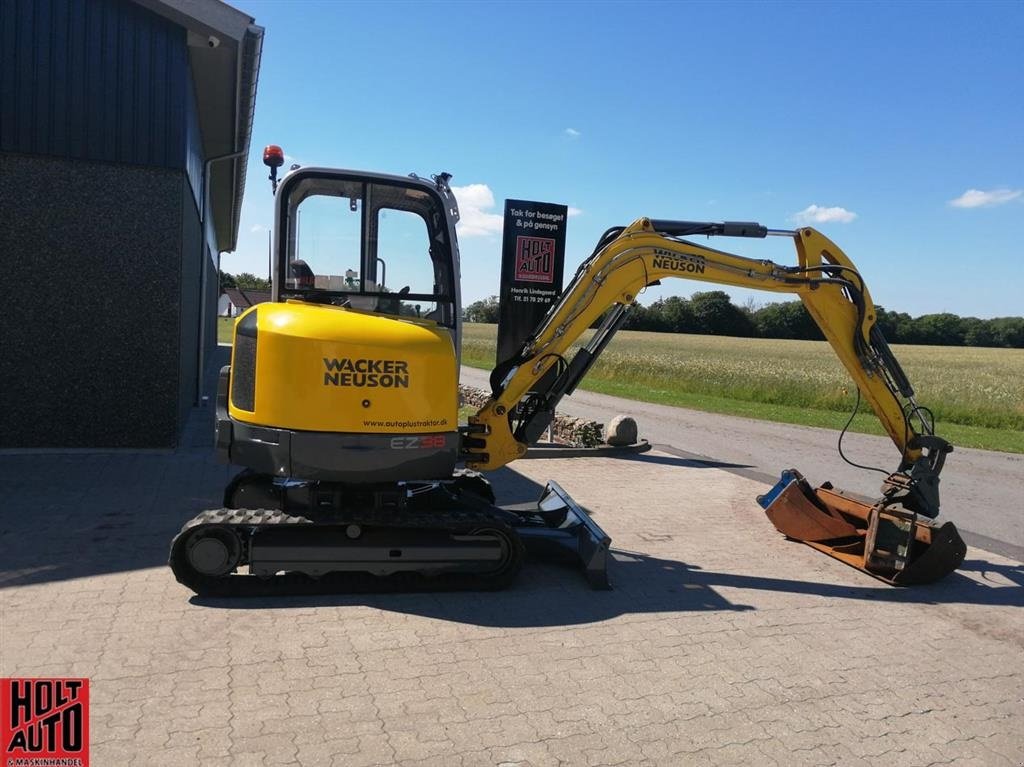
887 542
567 533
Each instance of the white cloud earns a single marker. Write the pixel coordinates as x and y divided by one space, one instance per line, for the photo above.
257 228
572 133
976 198
474 202
574 211
817 214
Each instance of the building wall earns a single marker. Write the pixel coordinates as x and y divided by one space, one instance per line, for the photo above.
188 312
194 158
197 255
101 160
212 294
93 270
93 79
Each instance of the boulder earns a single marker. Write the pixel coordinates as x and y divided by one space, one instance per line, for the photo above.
621 431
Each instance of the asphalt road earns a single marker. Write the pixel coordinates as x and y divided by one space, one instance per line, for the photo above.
982 491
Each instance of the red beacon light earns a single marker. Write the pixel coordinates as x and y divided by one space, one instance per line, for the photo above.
273 158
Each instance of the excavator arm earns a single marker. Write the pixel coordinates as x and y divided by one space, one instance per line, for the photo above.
625 261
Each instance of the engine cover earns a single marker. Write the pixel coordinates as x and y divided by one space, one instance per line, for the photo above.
328 369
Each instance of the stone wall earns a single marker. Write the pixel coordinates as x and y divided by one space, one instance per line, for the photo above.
576 432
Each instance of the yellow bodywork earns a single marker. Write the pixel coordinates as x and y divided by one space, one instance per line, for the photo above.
332 369
638 257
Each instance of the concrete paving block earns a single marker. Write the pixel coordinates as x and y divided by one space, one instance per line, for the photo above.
721 642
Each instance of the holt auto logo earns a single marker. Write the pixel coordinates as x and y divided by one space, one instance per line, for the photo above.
535 259
44 722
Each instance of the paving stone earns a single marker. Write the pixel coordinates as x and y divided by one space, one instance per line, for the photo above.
721 643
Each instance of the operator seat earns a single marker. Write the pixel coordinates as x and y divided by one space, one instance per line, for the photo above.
300 276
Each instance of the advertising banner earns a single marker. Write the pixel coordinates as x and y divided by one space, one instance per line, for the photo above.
532 260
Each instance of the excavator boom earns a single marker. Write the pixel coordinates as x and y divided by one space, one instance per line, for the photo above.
886 538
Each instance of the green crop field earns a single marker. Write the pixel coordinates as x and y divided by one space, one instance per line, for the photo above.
224 327
977 394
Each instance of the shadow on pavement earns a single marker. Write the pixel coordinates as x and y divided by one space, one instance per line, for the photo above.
992 572
66 516
545 594
685 462
953 589
548 595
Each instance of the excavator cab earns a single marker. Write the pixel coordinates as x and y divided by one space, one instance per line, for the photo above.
370 242
350 374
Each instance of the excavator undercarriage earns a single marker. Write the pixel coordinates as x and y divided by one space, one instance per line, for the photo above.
443 534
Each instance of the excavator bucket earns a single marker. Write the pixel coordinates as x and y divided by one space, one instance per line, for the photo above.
880 539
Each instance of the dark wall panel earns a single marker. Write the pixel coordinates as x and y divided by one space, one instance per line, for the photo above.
92 79
212 294
92 284
192 311
189 303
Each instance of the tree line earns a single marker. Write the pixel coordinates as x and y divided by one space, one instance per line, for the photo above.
713 313
244 280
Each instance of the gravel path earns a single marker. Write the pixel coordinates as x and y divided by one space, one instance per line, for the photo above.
982 490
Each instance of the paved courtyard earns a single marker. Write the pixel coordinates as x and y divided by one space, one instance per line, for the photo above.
721 643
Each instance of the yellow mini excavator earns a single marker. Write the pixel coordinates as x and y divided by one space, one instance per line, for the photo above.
341 401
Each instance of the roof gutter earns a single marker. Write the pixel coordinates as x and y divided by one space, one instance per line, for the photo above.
245 108
251 51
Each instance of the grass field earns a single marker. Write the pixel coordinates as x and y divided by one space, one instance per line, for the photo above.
224 325
977 394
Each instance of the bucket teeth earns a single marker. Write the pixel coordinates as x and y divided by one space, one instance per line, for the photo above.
885 541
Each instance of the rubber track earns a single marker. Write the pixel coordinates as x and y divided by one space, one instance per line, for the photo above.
457 522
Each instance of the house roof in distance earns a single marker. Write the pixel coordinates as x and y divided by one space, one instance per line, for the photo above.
243 298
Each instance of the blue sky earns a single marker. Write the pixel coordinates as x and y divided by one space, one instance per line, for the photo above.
897 128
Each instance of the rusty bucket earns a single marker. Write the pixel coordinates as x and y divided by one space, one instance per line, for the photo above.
882 538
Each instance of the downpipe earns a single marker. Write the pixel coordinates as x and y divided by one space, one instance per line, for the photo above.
203 282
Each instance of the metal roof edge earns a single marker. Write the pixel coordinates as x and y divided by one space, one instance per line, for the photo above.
249 70
204 17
